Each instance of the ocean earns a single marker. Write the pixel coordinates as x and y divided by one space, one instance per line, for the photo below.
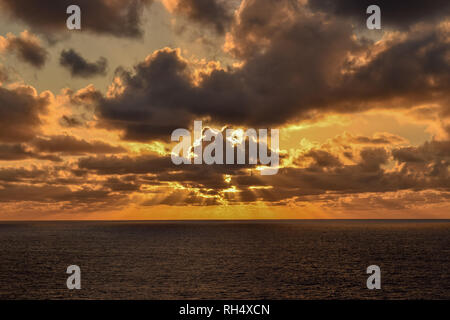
302 259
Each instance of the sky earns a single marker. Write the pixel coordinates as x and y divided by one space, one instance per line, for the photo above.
86 116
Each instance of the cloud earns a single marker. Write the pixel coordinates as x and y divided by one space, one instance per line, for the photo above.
208 12
11 152
322 175
432 153
80 67
409 73
70 121
58 189
146 108
393 13
105 165
369 171
53 147
325 175
388 200
323 158
70 145
379 138
20 111
333 178
295 65
21 174
116 184
3 75
116 18
53 194
26 47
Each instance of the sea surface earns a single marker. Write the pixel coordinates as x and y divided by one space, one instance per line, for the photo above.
307 259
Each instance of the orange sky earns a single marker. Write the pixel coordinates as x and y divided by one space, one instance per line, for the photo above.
86 116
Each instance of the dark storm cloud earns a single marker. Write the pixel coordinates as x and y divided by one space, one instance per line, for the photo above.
72 146
117 18
80 67
208 12
19 113
26 47
400 14
295 66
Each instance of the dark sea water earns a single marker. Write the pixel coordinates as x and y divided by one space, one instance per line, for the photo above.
225 260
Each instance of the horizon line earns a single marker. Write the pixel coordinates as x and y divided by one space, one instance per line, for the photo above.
228 220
